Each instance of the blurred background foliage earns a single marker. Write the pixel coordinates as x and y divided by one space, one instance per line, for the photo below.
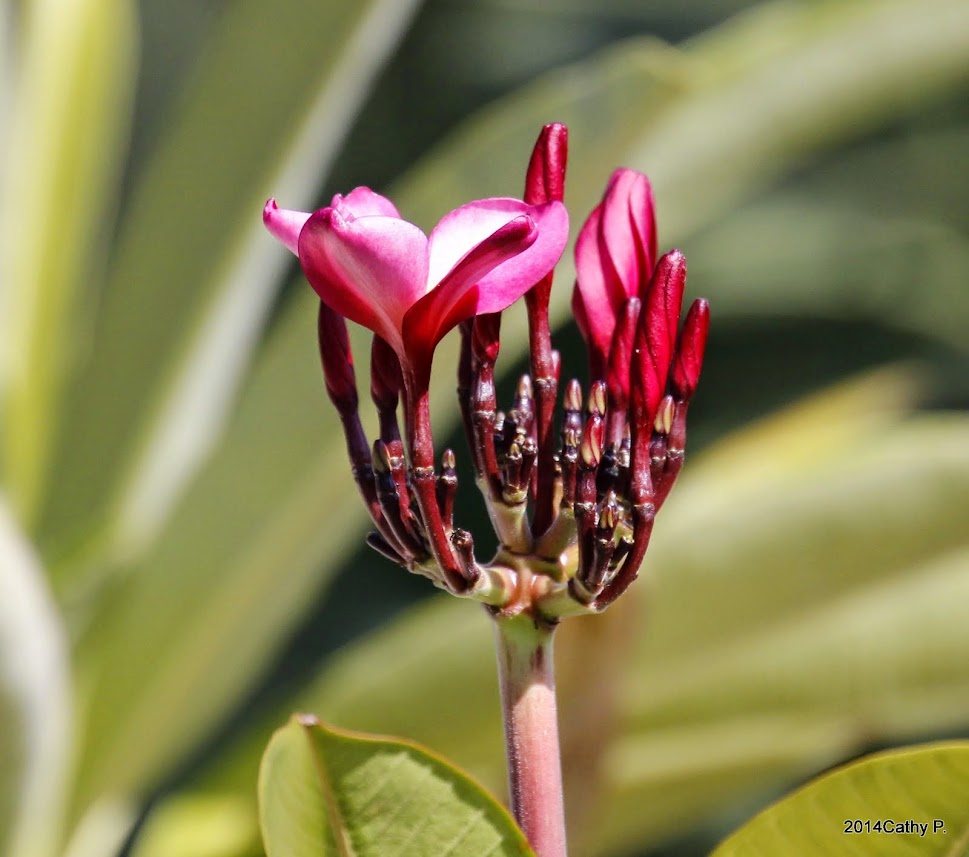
180 560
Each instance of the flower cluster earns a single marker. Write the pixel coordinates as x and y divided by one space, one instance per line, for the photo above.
573 509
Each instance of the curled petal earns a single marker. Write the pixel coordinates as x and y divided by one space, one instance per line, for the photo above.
620 236
598 289
614 257
507 282
465 228
459 294
285 225
363 202
633 195
371 269
493 275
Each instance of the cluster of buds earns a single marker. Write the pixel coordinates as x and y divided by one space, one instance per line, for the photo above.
573 506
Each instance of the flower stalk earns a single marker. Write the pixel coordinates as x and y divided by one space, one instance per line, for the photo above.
527 681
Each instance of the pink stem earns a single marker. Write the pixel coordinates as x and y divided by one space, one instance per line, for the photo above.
527 678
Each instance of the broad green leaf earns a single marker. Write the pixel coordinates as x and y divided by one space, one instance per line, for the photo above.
902 802
60 169
35 702
203 826
191 279
323 791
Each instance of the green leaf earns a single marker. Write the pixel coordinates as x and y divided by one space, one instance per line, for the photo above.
897 803
324 791
190 284
35 702
68 122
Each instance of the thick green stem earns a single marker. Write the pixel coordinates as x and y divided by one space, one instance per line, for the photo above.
527 677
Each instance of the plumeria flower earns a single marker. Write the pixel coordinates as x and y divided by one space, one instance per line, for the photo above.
580 504
374 268
614 258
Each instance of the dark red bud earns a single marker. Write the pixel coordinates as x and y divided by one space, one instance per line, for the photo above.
656 335
337 360
690 349
620 354
545 179
385 377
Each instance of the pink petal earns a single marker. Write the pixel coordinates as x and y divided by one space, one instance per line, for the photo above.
363 202
505 284
466 227
619 239
642 212
598 290
458 296
285 225
491 277
370 269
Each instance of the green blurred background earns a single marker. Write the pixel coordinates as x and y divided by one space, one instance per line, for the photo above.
180 555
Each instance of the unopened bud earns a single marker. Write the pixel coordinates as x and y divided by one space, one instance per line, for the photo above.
381 457
385 376
597 399
573 396
545 179
337 360
690 349
591 449
664 415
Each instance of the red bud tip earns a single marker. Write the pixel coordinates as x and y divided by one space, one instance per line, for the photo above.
690 349
545 179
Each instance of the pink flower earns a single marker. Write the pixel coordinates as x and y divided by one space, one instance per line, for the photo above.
383 272
614 258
